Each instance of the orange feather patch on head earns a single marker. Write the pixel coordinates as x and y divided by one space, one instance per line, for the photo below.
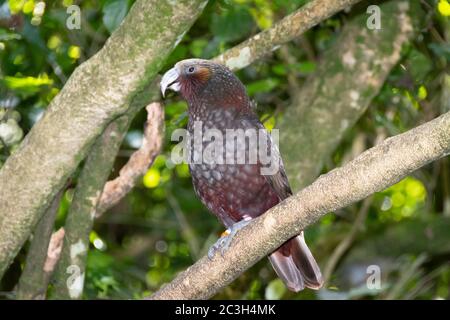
203 73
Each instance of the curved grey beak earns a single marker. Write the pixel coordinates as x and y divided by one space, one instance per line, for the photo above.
170 81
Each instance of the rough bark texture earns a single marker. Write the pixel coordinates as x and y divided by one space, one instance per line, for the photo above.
349 75
284 31
374 170
98 91
34 279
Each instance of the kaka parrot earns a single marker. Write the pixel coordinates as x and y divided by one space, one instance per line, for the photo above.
234 191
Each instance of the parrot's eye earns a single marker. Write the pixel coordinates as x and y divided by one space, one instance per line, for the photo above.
191 69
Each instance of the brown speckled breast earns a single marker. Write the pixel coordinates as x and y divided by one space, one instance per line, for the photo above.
230 191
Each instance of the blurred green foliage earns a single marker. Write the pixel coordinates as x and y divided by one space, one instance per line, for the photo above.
144 241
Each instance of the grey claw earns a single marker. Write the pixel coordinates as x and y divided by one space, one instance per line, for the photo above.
224 242
220 243
211 253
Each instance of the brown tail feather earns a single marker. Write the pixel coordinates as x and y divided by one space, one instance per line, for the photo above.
295 265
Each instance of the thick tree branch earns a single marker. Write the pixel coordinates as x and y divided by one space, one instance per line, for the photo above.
349 76
282 32
373 171
98 91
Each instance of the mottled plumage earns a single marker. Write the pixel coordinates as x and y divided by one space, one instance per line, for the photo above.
236 191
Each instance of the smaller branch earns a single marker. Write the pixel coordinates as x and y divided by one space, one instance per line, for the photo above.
307 46
70 271
35 277
345 244
186 229
445 107
425 283
358 147
445 164
285 55
406 275
282 32
138 163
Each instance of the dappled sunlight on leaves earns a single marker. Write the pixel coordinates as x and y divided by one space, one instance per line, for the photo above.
402 200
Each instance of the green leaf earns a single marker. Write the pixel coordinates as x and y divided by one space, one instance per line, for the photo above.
265 85
7 36
440 49
232 24
114 11
263 14
306 67
16 5
279 69
26 85
197 47
418 65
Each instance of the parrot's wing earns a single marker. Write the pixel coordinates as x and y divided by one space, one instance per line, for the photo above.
277 179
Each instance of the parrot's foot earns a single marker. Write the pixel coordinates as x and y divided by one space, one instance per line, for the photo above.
223 243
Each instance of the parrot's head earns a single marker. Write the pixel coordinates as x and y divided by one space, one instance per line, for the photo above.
200 80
